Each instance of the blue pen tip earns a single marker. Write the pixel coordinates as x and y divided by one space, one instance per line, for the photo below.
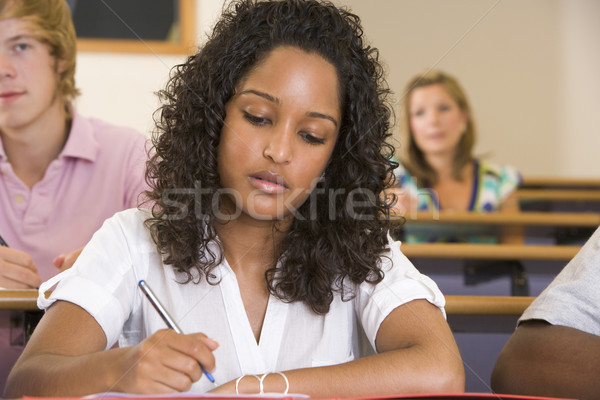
140 282
208 374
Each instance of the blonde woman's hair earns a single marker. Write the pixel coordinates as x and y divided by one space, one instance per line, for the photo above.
411 157
52 24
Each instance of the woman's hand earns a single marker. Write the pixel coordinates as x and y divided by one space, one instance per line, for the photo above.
165 362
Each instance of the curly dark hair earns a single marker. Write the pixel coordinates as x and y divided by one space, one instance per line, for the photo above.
321 252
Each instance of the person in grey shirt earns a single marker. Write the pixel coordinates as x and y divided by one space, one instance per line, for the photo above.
555 350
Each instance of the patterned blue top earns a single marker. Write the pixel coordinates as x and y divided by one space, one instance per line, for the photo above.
492 184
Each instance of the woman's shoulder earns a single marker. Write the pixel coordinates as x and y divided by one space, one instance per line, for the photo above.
399 273
500 172
497 182
400 168
132 216
130 223
403 177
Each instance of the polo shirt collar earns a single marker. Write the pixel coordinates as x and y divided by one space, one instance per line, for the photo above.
81 142
2 153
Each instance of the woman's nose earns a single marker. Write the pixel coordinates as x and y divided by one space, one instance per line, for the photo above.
279 146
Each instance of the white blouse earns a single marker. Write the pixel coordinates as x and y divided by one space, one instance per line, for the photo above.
104 281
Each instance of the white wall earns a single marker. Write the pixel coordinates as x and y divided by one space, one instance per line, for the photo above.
528 67
505 55
121 87
579 104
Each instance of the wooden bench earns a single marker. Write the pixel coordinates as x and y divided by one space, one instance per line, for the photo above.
25 300
487 305
558 195
537 228
538 182
517 218
559 200
489 269
476 315
489 252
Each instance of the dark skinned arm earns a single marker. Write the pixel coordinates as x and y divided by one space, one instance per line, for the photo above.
549 360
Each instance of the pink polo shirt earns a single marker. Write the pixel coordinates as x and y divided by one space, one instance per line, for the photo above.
100 171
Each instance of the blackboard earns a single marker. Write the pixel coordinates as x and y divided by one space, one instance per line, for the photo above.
161 26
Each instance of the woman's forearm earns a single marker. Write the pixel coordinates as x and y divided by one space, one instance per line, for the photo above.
408 370
59 375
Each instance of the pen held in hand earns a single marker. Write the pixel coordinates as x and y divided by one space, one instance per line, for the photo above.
167 318
3 243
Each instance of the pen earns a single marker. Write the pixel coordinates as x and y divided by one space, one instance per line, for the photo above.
167 318
3 243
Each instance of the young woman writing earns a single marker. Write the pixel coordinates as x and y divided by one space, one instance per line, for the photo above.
268 242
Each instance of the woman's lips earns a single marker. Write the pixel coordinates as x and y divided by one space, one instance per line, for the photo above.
436 136
268 182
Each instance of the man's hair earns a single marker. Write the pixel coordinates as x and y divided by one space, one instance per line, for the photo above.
52 24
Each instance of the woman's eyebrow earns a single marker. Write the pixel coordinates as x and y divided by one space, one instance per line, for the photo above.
261 94
315 114
312 114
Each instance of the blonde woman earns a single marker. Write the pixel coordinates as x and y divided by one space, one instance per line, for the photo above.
437 168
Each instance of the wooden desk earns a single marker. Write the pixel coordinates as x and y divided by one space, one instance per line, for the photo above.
530 182
536 227
489 252
474 317
493 305
558 195
559 200
25 300
517 218
487 305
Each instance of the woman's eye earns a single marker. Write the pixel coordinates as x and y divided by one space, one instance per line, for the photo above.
311 139
444 107
255 120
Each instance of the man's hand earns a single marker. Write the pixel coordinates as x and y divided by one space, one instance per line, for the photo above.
17 270
66 260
